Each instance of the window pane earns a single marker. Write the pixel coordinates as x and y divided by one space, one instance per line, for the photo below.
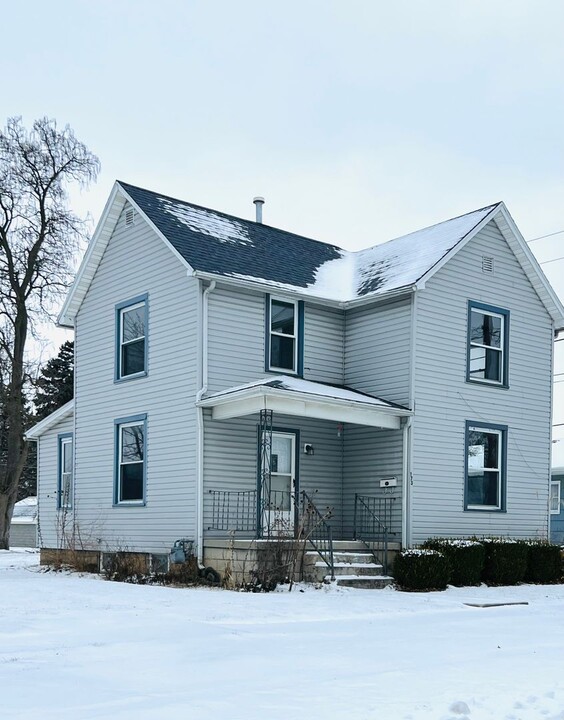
133 323
483 488
132 443
282 450
67 457
282 352
282 317
485 329
280 490
485 364
131 486
133 357
483 450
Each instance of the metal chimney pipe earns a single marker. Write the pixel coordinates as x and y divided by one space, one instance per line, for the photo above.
259 202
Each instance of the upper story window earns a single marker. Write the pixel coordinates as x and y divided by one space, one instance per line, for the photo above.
130 460
488 344
64 489
131 338
486 451
284 341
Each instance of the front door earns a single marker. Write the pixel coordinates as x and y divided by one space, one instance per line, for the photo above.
278 500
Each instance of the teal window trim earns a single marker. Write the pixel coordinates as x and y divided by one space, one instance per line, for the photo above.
300 322
62 439
140 419
474 305
119 307
502 429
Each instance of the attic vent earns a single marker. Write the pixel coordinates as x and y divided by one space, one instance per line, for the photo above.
487 264
129 216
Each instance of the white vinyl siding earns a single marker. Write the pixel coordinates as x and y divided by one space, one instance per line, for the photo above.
444 400
166 395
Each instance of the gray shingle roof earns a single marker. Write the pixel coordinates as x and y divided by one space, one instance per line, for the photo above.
216 243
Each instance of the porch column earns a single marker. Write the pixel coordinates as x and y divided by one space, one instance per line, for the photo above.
265 468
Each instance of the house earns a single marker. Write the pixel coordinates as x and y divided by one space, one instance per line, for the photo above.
231 376
557 493
23 528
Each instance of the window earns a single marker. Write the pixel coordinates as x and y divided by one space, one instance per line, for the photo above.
64 484
131 342
130 470
488 335
555 497
284 341
486 450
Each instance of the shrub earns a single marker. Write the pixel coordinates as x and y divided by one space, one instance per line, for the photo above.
421 569
466 558
505 562
544 562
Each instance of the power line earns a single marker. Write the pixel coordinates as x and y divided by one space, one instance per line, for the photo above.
553 260
541 237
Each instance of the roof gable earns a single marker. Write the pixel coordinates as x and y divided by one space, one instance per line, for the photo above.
212 244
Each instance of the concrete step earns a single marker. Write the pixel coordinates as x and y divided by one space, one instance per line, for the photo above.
367 582
350 569
344 557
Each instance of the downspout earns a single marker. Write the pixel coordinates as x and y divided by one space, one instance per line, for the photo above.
200 419
554 335
408 433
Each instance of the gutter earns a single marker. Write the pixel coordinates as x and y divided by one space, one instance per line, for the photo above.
200 420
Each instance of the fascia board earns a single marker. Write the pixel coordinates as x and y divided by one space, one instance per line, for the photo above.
156 230
294 292
50 421
534 269
420 284
103 231
265 394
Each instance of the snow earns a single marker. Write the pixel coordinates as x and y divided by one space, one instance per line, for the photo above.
25 511
395 264
78 647
207 222
306 387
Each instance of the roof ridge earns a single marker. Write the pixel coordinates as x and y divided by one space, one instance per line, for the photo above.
230 217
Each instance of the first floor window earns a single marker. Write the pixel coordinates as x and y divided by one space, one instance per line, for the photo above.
130 466
555 497
485 466
132 339
65 472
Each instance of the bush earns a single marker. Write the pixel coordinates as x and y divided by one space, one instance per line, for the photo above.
544 562
505 562
421 569
465 557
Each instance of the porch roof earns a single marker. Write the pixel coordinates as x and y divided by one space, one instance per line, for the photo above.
304 398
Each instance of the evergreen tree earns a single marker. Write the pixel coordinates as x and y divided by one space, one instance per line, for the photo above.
55 385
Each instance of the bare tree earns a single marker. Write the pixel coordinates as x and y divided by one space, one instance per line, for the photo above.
39 236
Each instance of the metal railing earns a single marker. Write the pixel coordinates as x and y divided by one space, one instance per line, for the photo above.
372 522
234 510
312 526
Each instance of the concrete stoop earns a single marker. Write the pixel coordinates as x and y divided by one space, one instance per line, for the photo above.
355 566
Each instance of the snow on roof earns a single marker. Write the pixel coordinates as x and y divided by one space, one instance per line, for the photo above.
207 222
25 510
292 384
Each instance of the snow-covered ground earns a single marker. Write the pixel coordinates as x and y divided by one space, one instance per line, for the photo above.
76 647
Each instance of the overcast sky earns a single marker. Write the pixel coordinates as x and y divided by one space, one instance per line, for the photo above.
358 121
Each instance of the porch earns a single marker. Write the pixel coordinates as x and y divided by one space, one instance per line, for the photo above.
304 462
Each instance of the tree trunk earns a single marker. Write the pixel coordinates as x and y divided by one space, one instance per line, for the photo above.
17 446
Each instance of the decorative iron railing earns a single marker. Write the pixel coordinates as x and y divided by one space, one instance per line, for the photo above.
312 527
234 510
372 522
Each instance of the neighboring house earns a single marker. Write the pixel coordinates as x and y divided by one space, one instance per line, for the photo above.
224 366
557 493
23 529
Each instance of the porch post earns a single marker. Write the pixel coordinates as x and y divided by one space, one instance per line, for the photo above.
265 468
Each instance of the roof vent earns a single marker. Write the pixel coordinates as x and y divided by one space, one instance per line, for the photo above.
487 264
129 216
259 202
